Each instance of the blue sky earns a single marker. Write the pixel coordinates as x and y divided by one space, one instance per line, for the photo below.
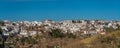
17 10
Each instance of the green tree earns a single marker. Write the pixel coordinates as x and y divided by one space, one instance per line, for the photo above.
108 30
56 33
70 35
1 23
0 31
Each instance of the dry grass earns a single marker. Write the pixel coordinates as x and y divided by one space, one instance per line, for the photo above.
95 42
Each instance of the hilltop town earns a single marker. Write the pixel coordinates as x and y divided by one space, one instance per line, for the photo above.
44 34
77 27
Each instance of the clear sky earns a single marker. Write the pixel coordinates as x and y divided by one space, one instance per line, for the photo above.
31 10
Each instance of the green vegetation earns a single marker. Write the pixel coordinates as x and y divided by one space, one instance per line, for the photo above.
56 33
0 31
109 30
1 23
70 35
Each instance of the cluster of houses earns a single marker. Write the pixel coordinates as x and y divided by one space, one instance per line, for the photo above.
92 27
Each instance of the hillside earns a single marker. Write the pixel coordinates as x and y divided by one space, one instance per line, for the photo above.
111 40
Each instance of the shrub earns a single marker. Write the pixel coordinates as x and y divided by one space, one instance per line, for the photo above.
56 33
